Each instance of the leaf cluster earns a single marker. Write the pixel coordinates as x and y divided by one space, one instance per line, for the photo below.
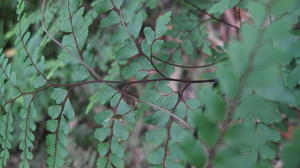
145 83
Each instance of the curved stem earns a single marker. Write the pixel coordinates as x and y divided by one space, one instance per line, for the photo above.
191 67
210 15
107 82
62 46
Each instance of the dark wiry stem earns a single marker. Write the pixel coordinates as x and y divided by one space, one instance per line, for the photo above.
210 15
168 127
108 154
192 67
8 78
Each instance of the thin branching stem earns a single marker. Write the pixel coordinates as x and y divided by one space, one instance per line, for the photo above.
190 67
210 15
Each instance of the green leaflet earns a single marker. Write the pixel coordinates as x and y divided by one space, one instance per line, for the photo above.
128 50
257 108
291 150
54 111
207 129
278 8
118 3
101 133
69 110
59 95
52 125
223 5
135 26
157 45
152 3
117 162
120 131
80 73
149 33
102 5
156 136
258 12
214 104
236 49
173 164
161 23
103 116
156 156
255 140
192 151
13 78
111 19
228 80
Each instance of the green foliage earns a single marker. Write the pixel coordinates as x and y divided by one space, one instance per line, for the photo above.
28 127
291 150
117 83
57 140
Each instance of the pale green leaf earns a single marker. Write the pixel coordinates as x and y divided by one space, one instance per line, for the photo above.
59 95
161 23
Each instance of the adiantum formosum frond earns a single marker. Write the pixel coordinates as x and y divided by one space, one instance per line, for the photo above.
148 83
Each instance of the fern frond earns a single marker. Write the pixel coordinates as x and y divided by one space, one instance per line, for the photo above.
57 140
6 134
27 126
